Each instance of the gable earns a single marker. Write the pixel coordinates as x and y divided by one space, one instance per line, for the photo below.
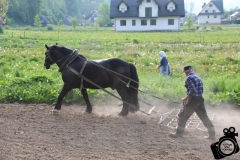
122 7
171 6
212 9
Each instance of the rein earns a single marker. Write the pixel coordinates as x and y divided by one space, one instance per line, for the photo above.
52 62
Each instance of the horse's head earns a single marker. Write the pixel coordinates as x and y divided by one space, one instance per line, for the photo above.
48 60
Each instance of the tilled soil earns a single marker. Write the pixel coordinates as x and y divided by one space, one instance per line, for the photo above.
32 132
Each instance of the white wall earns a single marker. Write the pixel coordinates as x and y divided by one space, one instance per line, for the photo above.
202 19
161 24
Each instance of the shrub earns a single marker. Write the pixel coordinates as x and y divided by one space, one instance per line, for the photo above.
1 30
49 28
135 41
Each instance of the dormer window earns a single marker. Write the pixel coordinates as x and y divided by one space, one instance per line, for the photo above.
171 6
210 5
122 7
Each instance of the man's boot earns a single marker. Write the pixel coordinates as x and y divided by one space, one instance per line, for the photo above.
178 133
211 134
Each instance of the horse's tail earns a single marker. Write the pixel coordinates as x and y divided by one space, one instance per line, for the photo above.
133 88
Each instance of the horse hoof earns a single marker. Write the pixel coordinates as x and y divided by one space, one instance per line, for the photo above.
122 114
88 111
55 111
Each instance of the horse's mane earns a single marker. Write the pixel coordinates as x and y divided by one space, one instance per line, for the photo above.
65 48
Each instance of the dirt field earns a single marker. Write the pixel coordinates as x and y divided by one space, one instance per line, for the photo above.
33 132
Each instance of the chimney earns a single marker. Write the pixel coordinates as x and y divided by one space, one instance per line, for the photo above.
204 4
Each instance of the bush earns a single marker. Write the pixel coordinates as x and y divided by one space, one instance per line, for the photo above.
49 28
1 30
135 41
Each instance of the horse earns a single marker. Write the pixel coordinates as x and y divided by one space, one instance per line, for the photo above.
80 72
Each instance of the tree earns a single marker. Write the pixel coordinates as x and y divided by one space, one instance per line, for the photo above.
191 7
37 21
73 8
74 22
4 5
54 10
104 14
59 28
189 22
33 9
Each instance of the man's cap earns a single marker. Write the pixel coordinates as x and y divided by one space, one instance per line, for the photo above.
187 68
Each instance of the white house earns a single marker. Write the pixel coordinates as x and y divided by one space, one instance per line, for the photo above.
147 15
211 12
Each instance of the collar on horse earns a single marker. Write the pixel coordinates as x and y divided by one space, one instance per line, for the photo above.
69 60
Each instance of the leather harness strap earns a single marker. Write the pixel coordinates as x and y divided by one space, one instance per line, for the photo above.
80 73
69 60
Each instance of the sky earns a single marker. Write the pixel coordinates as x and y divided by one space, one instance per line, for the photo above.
227 4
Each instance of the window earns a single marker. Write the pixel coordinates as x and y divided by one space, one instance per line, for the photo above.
206 21
144 22
206 11
170 21
208 16
122 22
213 11
170 9
210 5
148 12
148 1
215 16
133 22
152 22
123 10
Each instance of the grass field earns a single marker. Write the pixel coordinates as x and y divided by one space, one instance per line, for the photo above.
214 54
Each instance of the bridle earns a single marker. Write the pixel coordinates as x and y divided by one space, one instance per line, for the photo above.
49 58
69 58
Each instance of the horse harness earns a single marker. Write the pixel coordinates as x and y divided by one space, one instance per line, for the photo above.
75 55
69 60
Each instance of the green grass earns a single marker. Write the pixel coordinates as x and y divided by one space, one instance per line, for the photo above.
214 54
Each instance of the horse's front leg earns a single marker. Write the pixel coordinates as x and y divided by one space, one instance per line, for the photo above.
66 88
85 96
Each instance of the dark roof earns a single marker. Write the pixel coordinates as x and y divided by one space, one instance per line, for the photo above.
44 19
133 8
218 4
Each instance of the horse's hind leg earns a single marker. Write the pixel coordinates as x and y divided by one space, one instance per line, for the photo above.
85 96
64 91
122 91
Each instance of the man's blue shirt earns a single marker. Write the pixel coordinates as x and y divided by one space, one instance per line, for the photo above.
194 85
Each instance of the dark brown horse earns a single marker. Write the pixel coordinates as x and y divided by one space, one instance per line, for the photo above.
79 72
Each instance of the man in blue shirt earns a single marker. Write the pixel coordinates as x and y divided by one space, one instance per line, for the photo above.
193 102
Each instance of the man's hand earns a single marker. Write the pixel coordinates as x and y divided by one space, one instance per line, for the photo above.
185 100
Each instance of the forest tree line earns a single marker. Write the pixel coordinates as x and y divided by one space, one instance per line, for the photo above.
24 11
